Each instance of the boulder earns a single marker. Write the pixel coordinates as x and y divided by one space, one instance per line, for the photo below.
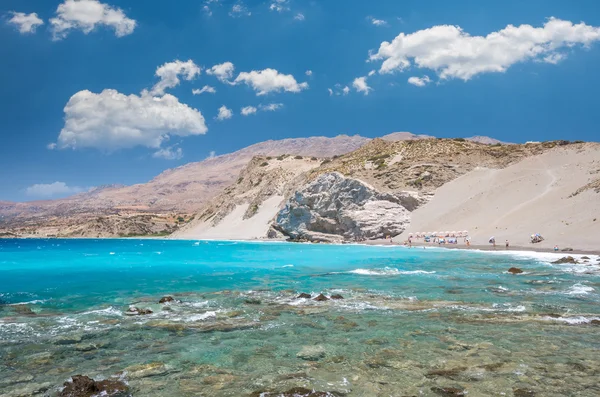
585 257
166 299
311 353
83 386
252 301
134 311
565 259
336 296
334 205
515 270
566 249
321 298
595 322
449 391
304 296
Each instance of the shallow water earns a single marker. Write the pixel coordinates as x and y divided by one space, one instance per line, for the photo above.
411 320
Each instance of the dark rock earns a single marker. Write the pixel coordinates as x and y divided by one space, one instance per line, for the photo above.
523 393
252 301
336 296
585 257
83 386
303 295
595 322
166 299
451 373
321 298
23 310
296 392
566 249
565 259
448 391
515 270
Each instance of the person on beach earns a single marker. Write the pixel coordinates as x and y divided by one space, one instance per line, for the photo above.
507 244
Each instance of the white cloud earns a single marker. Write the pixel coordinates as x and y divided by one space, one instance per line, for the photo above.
239 10
419 81
308 73
248 110
360 85
86 15
346 90
25 23
453 53
271 107
206 88
222 71
279 5
169 75
168 153
299 17
330 91
377 22
270 80
111 120
211 155
224 113
51 146
207 6
371 73
47 190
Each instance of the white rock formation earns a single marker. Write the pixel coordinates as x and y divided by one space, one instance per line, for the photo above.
334 207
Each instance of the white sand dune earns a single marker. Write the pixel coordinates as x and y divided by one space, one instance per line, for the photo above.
532 196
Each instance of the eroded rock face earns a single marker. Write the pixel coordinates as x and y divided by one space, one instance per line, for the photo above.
336 206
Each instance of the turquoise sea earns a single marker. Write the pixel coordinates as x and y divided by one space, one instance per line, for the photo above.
412 322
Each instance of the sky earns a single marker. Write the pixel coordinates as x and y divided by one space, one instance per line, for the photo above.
115 92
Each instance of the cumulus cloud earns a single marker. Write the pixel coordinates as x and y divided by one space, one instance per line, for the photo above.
224 113
222 71
169 75
48 190
248 110
339 90
239 10
346 90
279 5
371 73
206 88
168 153
308 72
270 80
330 91
25 23
86 15
360 85
271 107
111 120
377 22
454 53
419 81
299 17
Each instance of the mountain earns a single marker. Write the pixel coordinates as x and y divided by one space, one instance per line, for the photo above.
486 140
404 136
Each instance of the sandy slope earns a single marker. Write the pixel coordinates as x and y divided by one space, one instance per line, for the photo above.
528 197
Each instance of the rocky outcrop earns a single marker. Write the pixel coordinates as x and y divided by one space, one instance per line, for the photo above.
336 206
83 386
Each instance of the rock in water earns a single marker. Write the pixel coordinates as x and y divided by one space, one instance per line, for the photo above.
336 296
566 259
515 270
448 391
297 392
23 310
347 208
134 311
83 386
304 296
166 299
311 353
321 298
523 393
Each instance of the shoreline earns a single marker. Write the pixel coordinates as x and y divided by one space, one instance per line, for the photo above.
377 242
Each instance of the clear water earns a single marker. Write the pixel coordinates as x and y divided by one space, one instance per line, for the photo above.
411 319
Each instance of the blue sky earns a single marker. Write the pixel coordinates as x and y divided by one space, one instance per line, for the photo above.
527 83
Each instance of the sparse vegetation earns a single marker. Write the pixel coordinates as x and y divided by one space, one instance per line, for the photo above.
264 164
298 157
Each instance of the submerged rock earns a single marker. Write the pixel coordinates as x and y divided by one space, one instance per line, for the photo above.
451 373
252 301
449 391
523 393
311 353
23 310
146 370
166 299
336 296
83 386
304 296
321 298
515 270
565 259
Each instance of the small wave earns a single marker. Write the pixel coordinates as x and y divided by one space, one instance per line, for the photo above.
108 311
284 266
111 253
388 271
33 302
572 320
580 289
200 317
